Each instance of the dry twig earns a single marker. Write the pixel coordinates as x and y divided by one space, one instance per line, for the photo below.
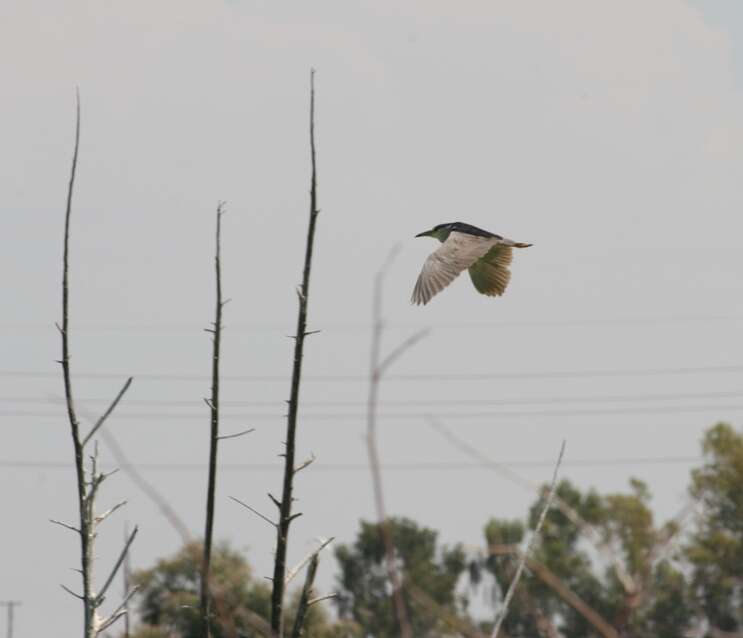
589 532
549 578
529 547
298 567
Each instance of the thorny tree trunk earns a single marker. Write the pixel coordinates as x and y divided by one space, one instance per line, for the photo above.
89 520
205 600
285 504
84 531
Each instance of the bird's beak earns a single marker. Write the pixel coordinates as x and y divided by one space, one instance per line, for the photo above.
424 234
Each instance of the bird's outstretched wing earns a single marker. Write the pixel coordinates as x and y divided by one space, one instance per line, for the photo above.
443 266
490 274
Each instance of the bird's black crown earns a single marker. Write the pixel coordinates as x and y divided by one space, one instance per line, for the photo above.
468 229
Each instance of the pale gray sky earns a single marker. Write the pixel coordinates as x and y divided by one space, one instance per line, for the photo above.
609 134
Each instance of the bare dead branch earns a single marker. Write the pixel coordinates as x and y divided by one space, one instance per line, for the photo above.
303 606
106 623
102 517
305 464
104 475
293 516
274 501
72 528
255 511
72 593
86 554
285 508
589 532
64 329
319 599
86 490
549 578
117 565
298 567
213 403
120 611
532 542
224 437
400 349
149 490
131 471
107 413
376 370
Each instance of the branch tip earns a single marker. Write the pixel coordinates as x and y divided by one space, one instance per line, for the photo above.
72 593
72 528
255 511
108 412
234 436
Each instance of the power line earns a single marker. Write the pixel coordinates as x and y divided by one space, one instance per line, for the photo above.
340 416
345 378
549 400
160 328
422 466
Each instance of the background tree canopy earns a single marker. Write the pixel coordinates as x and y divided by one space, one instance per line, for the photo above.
604 567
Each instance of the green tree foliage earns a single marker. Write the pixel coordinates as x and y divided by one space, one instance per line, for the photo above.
603 567
169 599
716 548
653 605
365 594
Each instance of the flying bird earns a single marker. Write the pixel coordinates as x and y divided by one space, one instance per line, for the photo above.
486 256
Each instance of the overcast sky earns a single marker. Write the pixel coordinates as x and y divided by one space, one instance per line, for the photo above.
608 134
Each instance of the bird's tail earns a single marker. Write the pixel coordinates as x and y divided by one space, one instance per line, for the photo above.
516 244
